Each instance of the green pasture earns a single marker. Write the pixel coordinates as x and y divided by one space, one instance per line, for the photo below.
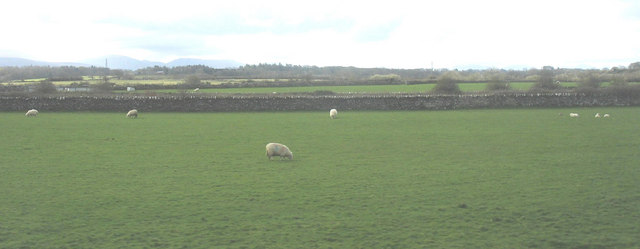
417 88
337 89
164 81
528 178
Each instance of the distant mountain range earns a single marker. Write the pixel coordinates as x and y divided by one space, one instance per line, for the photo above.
21 62
120 62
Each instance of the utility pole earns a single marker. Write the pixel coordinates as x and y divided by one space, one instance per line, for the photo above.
106 70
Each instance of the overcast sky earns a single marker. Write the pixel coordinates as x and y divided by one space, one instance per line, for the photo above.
391 34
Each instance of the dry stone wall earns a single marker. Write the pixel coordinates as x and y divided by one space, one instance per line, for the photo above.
236 103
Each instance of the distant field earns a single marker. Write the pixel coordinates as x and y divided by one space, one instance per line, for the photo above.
527 178
133 82
179 81
467 87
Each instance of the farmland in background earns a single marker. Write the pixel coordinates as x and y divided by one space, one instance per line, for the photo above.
417 88
529 178
376 88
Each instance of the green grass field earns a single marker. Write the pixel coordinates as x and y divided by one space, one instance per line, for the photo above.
526 178
418 88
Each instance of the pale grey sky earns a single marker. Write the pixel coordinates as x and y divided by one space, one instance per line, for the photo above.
392 34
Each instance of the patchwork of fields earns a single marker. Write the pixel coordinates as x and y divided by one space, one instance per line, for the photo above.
528 178
417 88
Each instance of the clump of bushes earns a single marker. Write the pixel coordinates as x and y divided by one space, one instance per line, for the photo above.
447 84
545 80
45 86
619 82
103 87
590 80
497 82
191 82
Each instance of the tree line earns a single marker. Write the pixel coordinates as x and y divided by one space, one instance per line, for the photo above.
334 74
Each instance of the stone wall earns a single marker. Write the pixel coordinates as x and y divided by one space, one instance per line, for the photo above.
234 103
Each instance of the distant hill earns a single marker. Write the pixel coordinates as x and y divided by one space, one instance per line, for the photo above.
119 62
122 62
21 62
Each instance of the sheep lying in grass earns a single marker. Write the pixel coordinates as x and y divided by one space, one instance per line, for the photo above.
31 113
597 115
333 113
606 115
574 115
276 149
132 114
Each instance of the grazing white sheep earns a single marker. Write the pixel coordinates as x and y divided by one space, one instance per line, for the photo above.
133 113
131 89
333 113
276 149
597 115
196 90
31 113
574 115
606 115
